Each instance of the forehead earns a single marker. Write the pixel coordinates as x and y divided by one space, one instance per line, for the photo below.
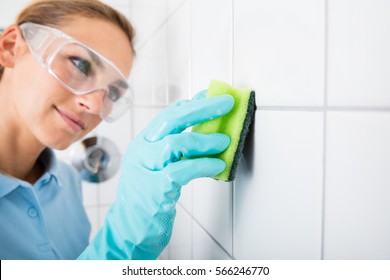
104 37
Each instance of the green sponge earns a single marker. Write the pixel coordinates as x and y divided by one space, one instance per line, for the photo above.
235 124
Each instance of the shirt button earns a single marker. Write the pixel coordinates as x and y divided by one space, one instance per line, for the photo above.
32 212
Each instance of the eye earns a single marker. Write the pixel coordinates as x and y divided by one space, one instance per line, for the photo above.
81 64
113 93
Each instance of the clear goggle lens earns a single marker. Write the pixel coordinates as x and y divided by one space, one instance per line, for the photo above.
79 68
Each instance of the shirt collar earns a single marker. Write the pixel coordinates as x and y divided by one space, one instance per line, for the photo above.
49 161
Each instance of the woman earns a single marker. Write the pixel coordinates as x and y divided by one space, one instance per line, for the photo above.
64 69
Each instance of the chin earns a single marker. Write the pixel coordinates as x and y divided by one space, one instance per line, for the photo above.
60 144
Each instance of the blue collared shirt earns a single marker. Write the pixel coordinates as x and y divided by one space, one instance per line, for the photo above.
46 220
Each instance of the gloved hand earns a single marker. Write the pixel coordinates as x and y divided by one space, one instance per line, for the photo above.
157 163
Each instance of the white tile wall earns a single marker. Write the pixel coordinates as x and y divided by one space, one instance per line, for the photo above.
211 48
180 246
10 10
358 57
357 224
313 183
149 74
178 50
213 209
204 247
278 192
279 50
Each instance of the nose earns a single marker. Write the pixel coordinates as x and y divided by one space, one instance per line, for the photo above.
91 102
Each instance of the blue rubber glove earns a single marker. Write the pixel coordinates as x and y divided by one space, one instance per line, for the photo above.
156 164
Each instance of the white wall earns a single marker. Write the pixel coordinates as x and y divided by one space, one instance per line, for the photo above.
314 182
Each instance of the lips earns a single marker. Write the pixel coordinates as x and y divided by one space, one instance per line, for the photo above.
73 122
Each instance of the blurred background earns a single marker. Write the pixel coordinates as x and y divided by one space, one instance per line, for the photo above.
314 182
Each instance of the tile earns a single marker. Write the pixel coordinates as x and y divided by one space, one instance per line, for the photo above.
357 219
142 117
9 11
204 247
279 50
90 194
93 216
152 4
107 190
117 2
278 190
147 18
179 53
180 245
212 43
118 131
149 78
212 208
358 56
174 5
164 254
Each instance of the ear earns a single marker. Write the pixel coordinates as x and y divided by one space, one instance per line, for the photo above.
8 44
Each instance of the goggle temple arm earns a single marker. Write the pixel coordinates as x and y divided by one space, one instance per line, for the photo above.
38 40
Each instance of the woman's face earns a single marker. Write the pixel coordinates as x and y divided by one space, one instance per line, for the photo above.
55 116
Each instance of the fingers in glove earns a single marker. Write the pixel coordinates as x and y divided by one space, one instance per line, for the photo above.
176 118
182 172
200 95
175 147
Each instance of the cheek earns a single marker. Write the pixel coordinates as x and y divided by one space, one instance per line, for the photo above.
35 87
35 102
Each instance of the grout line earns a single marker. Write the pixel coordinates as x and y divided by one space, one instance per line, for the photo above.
233 206
324 159
205 230
143 106
298 108
326 108
325 116
147 40
385 109
232 42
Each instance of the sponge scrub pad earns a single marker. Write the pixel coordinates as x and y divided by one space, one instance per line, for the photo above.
235 124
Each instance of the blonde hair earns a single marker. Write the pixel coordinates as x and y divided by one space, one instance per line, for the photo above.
57 13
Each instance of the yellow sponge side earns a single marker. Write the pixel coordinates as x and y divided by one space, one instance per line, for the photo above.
232 124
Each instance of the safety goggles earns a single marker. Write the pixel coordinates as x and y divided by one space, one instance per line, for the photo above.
79 68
